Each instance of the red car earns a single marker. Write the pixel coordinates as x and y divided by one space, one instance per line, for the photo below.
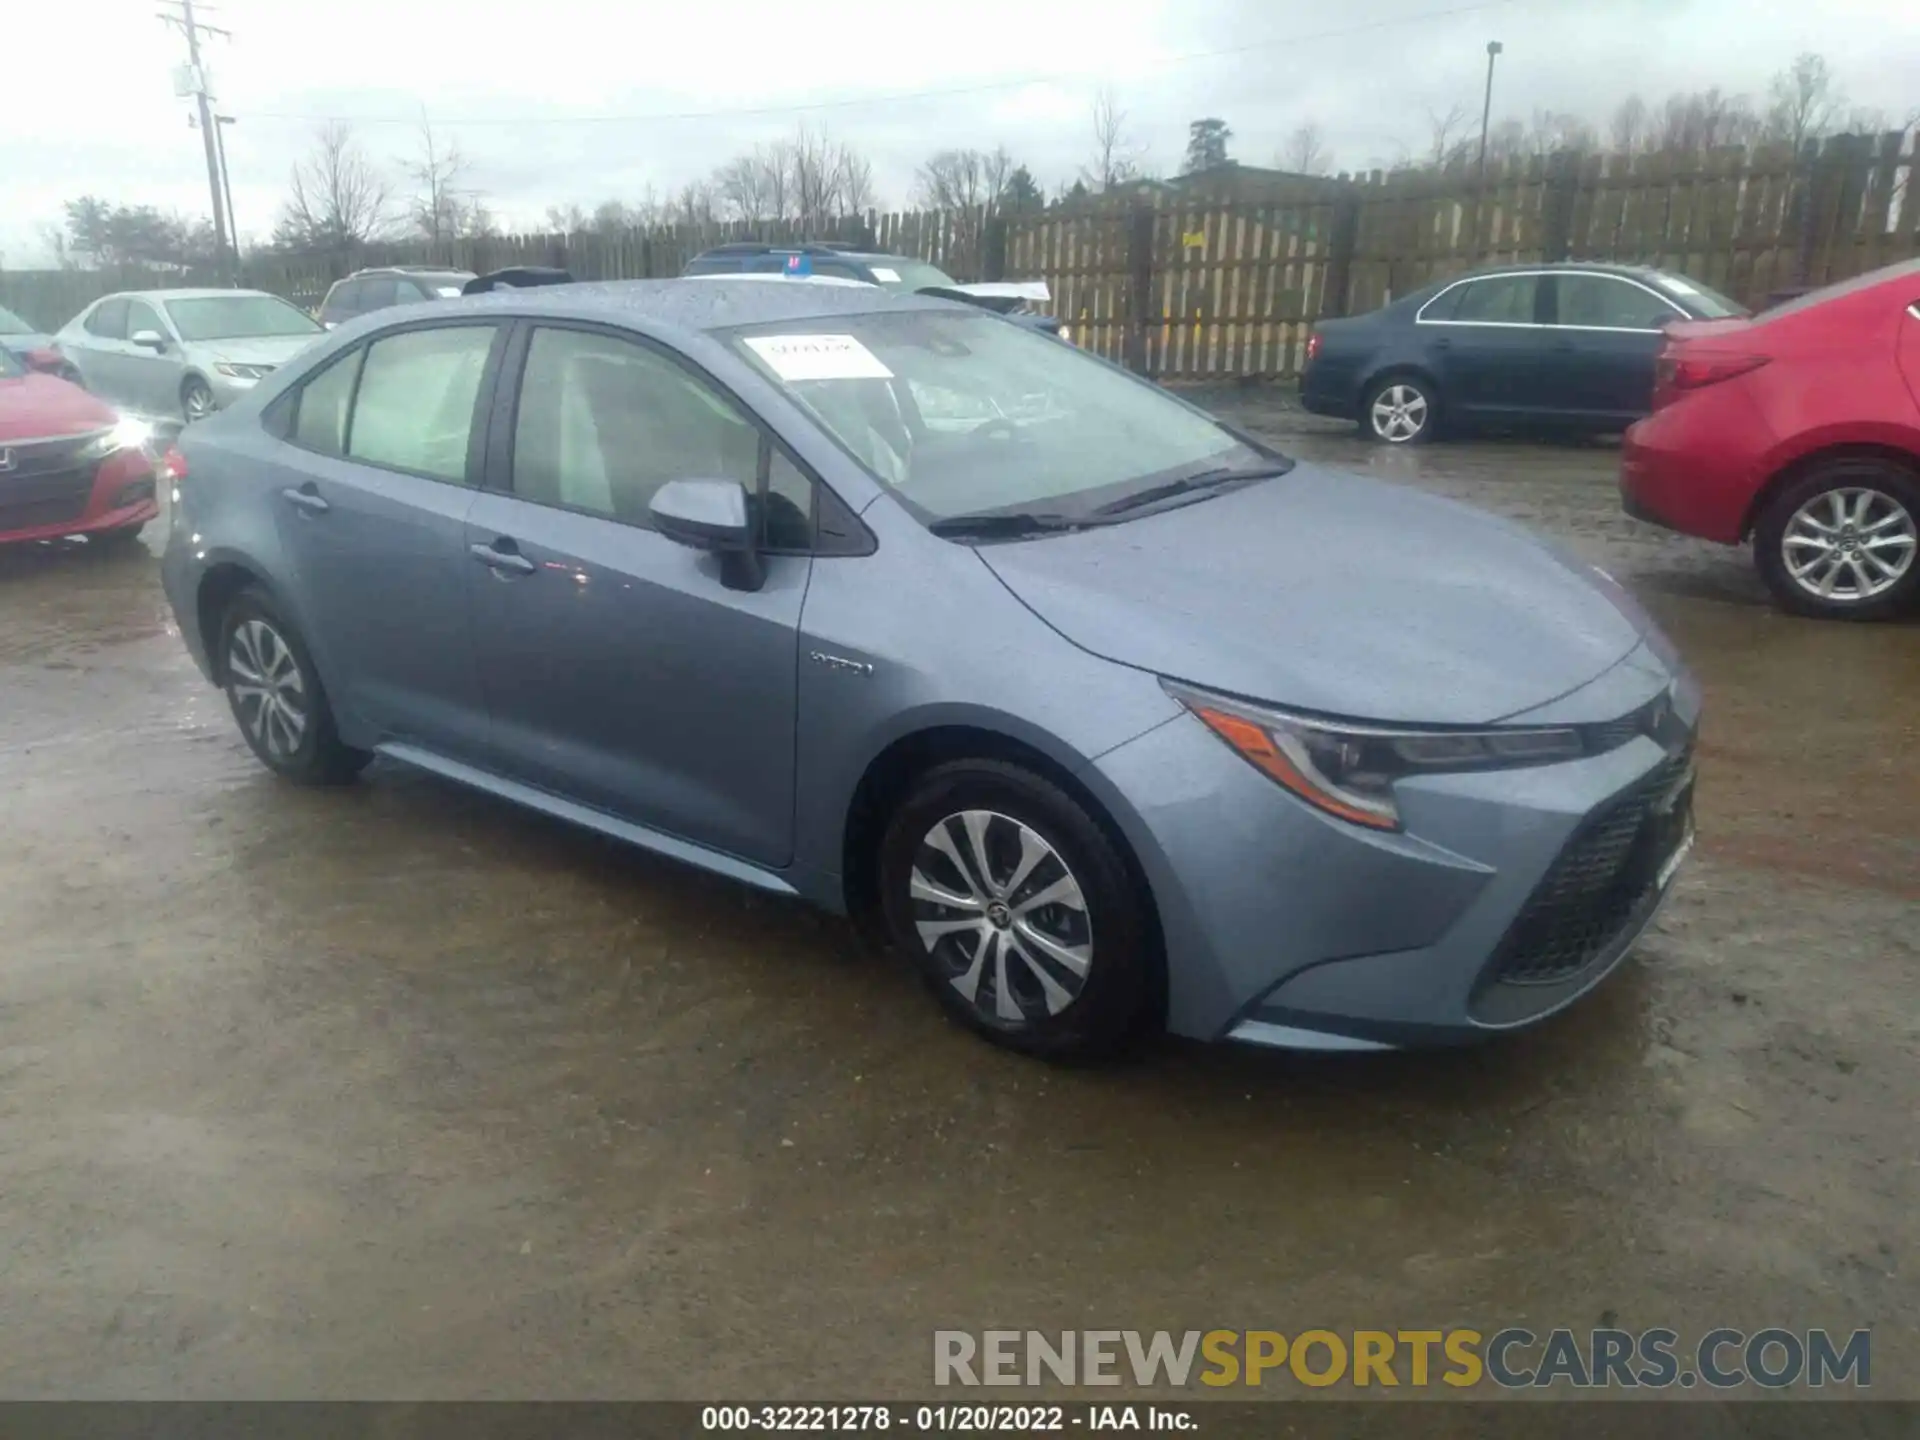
69 465
1800 429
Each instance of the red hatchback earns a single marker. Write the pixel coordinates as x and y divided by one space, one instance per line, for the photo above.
69 465
1800 428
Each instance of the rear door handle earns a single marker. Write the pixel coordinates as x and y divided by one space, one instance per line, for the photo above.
1441 342
508 561
305 497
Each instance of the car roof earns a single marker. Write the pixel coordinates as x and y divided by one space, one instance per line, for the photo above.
408 270
703 302
820 249
200 293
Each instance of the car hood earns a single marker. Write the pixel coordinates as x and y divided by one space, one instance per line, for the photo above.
265 350
37 406
1330 592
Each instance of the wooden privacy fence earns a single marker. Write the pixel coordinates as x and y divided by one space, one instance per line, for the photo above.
1210 278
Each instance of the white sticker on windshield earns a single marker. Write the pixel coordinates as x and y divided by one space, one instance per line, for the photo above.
886 276
819 357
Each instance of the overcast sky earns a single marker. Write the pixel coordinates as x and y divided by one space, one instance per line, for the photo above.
586 100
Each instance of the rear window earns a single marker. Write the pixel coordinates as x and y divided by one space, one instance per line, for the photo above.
1709 303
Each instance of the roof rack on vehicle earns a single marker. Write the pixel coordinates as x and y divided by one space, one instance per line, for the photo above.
516 277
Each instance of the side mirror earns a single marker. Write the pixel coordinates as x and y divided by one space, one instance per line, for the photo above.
47 362
711 515
149 340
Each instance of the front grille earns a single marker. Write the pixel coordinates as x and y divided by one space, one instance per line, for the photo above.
1598 883
33 458
47 498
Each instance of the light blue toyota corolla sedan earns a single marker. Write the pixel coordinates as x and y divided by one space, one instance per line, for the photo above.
1112 718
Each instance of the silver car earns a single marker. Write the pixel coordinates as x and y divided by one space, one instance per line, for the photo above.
1109 717
182 354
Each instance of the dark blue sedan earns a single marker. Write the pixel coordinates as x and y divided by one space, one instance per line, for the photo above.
1569 347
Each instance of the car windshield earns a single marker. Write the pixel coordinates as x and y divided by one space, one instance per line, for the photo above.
10 368
1710 303
12 324
442 286
966 414
894 273
238 317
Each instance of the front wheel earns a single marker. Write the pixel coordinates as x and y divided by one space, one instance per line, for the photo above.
196 399
277 698
1401 410
1840 542
1019 911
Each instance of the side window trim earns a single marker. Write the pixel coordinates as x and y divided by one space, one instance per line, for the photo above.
498 468
354 354
1420 316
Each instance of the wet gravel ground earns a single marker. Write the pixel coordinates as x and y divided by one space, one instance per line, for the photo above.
398 1092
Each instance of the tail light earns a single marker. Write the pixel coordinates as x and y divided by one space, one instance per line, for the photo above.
1313 346
1675 373
172 469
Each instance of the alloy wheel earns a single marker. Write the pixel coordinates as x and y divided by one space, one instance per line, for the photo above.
197 402
1000 911
266 687
1399 413
1849 544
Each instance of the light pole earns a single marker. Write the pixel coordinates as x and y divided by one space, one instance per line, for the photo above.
1486 110
220 123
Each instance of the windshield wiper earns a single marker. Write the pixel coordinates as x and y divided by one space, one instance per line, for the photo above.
1190 484
1000 525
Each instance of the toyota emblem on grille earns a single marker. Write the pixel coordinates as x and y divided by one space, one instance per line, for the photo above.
6 460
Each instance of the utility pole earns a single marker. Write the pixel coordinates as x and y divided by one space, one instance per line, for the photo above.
192 29
1494 47
226 181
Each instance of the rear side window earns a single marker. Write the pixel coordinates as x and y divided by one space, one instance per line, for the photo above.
1443 305
414 410
1604 302
108 320
320 423
376 293
1498 300
343 302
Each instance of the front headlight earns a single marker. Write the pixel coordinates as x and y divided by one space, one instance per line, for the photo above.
127 434
1349 768
241 372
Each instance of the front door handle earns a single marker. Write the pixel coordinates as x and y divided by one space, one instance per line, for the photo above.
508 561
1441 342
305 497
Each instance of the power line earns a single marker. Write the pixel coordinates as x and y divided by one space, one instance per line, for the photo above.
895 97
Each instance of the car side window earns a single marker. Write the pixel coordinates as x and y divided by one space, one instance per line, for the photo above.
376 293
141 316
1609 303
343 301
414 409
407 292
788 506
1444 305
108 320
320 419
835 267
1498 300
603 423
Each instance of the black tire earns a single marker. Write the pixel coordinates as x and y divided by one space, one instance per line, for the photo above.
196 399
1110 1002
315 755
1421 402
1832 494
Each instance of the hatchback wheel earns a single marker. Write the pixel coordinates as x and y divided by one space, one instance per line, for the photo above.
1843 541
277 697
196 399
1020 911
1401 410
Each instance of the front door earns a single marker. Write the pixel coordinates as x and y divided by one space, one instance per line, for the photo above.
619 670
372 505
1606 336
99 351
1487 354
153 377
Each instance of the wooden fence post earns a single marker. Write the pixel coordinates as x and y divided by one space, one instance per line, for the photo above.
1342 240
1556 207
993 249
1139 286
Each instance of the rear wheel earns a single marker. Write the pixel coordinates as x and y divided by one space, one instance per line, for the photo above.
1843 541
1401 410
1019 911
277 698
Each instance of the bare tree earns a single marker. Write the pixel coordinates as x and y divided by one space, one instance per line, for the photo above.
1554 130
337 197
1449 141
442 208
610 217
1706 119
569 219
954 180
1802 101
1305 151
695 204
1115 156
856 183
748 185
1628 129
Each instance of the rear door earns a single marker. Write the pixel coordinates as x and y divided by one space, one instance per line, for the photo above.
98 350
1486 354
1910 344
619 670
385 447
1607 333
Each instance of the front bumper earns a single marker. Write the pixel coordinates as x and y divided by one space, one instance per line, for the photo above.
1284 926
118 496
